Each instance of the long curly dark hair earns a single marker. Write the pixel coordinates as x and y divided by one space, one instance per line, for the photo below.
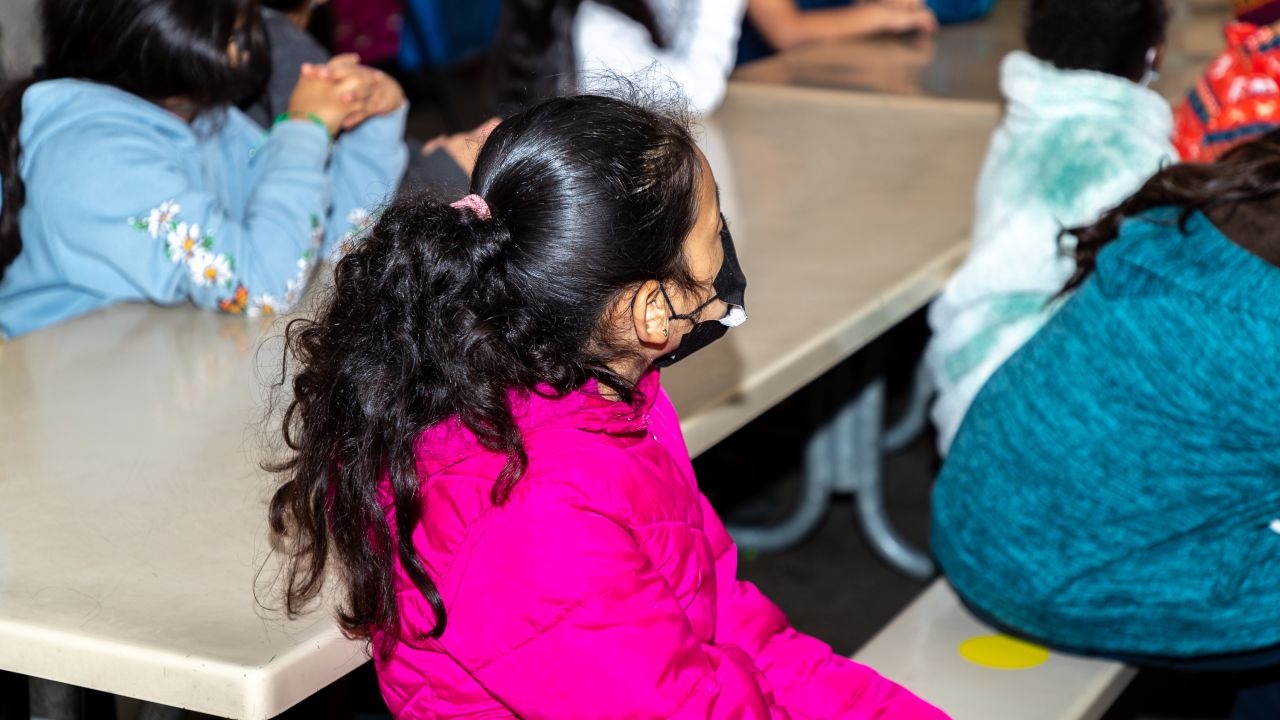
1248 173
438 314
155 49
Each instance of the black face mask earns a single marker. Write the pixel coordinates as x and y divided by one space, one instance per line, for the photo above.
730 286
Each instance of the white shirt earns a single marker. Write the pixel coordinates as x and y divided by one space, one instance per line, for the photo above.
702 47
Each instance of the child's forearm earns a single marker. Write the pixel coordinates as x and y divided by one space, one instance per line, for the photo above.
784 26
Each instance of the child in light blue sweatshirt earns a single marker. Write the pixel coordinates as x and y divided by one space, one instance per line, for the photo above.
129 175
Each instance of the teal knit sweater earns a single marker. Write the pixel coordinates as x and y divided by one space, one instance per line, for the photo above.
1116 485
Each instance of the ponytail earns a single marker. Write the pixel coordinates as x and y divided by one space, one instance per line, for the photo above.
441 312
13 191
423 327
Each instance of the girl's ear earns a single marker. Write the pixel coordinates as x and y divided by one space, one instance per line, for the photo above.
651 315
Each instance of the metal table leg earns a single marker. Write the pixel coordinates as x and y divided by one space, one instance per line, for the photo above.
815 499
844 455
55 700
821 457
914 419
865 477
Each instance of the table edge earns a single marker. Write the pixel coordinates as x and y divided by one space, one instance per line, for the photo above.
741 86
807 361
181 680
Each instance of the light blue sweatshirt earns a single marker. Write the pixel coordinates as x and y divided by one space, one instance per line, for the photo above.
125 201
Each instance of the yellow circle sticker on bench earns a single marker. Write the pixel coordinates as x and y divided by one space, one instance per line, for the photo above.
1002 652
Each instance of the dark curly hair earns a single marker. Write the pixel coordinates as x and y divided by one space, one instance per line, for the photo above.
155 49
438 314
1108 36
1248 173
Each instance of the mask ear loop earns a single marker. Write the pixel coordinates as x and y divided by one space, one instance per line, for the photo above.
1150 75
690 316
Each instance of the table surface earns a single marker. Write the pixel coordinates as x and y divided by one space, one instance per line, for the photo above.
921 650
132 522
962 61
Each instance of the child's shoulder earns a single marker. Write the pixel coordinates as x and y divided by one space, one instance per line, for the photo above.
1075 169
1082 142
599 474
83 121
83 103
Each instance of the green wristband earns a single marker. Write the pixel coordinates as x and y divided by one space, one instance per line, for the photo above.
295 115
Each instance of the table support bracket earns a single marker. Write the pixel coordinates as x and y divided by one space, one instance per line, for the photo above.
844 455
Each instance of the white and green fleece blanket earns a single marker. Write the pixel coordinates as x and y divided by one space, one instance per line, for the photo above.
1072 145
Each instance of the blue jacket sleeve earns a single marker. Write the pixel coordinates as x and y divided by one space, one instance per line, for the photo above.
368 164
166 221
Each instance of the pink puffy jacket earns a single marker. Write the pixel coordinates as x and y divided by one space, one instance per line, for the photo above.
605 587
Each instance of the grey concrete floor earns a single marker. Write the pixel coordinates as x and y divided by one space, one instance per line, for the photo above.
831 585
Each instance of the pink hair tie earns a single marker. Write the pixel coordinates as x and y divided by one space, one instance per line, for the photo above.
475 204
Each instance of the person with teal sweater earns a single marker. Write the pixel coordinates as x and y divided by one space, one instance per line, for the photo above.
1081 132
1114 489
129 175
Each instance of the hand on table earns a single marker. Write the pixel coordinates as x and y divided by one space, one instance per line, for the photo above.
905 4
463 147
900 17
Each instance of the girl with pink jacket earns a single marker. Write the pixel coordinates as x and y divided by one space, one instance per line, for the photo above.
479 439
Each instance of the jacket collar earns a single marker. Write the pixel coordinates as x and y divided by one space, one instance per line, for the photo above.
598 413
450 442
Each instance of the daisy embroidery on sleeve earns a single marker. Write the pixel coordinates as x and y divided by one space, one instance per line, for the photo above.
210 269
264 304
184 242
162 218
358 219
185 245
160 221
